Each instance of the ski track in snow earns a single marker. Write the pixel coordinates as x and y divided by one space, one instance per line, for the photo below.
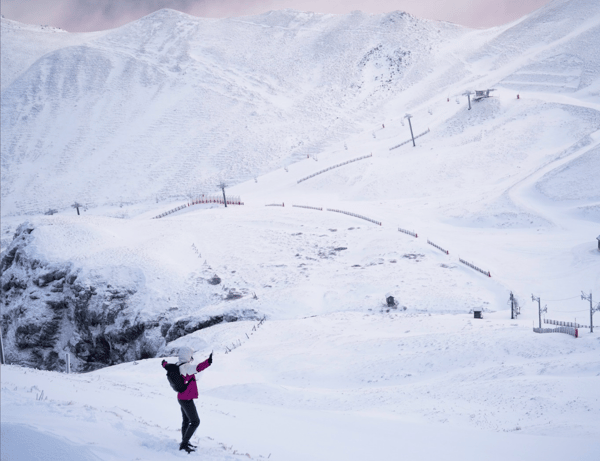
135 121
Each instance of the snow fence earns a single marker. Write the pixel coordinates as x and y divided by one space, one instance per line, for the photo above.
568 330
407 232
232 200
410 140
474 267
565 324
308 207
334 166
355 215
438 247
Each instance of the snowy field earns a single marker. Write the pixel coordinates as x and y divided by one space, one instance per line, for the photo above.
334 387
135 121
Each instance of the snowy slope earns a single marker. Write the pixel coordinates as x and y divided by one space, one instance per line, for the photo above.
193 101
338 387
24 44
134 121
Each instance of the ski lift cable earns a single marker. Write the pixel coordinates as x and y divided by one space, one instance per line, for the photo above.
564 299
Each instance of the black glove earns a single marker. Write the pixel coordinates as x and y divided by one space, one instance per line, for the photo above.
163 363
210 359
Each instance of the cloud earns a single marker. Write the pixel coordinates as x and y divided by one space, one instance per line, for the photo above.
88 15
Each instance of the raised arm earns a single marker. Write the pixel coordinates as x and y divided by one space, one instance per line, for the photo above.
204 365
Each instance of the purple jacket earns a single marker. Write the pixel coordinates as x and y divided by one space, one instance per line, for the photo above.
189 376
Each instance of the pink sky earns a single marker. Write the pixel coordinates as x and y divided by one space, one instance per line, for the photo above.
88 15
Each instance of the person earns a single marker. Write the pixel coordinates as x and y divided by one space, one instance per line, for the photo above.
189 414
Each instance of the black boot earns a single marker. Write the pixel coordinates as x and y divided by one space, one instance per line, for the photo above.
186 447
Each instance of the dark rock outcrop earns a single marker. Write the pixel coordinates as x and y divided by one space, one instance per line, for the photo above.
54 308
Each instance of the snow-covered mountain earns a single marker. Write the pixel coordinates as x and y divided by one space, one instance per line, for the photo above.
191 101
167 105
293 108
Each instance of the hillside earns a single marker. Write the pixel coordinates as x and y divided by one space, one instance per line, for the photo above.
192 101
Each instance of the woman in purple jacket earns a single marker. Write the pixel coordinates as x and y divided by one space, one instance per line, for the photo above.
188 370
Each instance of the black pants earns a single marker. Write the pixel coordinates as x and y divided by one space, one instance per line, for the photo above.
191 421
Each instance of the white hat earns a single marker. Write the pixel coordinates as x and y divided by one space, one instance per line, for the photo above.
185 354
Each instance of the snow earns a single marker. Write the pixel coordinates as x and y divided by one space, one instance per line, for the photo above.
46 447
338 386
134 121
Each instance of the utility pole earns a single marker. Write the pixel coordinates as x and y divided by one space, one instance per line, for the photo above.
515 309
1 348
540 310
592 309
76 205
468 95
222 185
2 361
408 116
512 306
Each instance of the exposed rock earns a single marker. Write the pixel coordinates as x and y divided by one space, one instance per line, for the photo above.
164 329
215 280
233 294
185 327
53 308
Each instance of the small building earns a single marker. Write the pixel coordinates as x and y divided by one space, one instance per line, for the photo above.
477 314
480 94
598 238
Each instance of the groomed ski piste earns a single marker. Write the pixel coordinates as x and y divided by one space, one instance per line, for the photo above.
332 373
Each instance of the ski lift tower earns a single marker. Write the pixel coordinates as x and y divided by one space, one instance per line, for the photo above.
468 94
